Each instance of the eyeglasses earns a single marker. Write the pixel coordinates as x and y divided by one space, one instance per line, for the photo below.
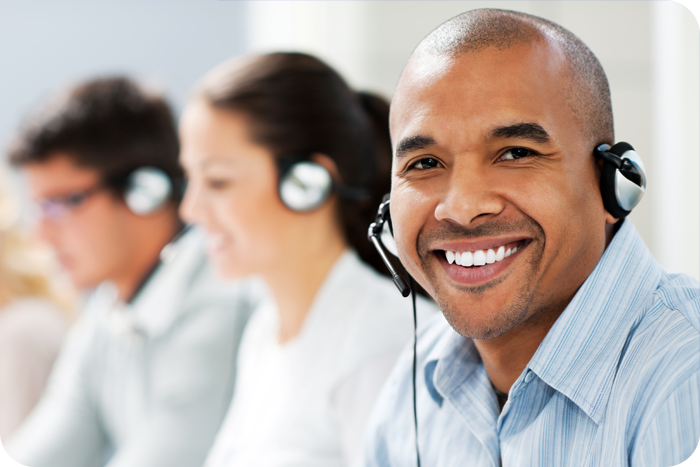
56 208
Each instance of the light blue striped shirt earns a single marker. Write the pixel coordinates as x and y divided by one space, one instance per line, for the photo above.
616 382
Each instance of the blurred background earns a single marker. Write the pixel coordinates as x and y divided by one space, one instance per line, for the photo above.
650 51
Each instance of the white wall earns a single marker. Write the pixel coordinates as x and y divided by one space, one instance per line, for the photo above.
648 49
46 44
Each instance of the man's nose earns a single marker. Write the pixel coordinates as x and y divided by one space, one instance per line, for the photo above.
470 198
45 230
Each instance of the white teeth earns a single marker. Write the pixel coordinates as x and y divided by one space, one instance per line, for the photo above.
490 256
467 258
479 257
500 254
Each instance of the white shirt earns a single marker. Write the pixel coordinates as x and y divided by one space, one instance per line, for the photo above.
31 332
144 384
304 403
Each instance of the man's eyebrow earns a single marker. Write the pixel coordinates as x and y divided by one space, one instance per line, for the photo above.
532 131
413 143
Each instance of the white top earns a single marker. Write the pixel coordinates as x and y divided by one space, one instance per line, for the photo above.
144 384
304 403
31 332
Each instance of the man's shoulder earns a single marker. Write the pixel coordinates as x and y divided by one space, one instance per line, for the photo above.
433 336
663 349
680 293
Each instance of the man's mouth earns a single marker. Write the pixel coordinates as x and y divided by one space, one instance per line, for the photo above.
478 258
474 266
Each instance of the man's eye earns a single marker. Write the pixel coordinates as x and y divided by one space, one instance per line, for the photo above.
74 200
516 153
426 163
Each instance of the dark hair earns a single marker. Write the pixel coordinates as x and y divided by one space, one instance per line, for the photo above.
473 31
108 124
299 105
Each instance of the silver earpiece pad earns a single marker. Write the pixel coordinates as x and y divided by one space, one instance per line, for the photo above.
148 188
305 186
628 193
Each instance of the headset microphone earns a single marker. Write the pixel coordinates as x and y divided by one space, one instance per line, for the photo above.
381 234
379 229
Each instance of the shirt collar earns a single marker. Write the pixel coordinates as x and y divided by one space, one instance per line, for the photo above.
162 299
580 354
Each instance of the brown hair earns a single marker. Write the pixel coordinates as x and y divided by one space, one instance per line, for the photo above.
107 124
299 105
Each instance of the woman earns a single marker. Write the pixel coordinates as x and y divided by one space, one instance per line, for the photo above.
286 169
33 321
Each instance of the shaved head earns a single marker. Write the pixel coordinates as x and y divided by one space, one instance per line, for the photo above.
587 93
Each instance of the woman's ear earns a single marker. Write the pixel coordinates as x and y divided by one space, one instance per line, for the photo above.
328 164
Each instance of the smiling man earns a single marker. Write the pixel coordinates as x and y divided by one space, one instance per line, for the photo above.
565 343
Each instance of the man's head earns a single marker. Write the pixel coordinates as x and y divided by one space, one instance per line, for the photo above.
493 125
77 153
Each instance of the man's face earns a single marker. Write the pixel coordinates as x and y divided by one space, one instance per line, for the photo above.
88 233
488 154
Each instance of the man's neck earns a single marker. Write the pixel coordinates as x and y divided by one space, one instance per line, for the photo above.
145 259
505 357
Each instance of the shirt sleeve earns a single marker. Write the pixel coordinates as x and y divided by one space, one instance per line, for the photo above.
63 430
674 430
30 338
192 381
354 400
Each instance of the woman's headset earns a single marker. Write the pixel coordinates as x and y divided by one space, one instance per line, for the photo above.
305 185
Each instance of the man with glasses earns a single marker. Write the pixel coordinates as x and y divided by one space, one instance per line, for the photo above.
147 373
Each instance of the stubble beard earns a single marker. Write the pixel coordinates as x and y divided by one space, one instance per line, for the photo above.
514 313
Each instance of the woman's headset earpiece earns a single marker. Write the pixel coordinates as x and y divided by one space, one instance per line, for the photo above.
622 179
146 190
305 185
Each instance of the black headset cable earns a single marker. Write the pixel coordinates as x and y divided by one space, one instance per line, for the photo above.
415 345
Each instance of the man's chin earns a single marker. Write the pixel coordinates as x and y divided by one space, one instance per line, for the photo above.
488 314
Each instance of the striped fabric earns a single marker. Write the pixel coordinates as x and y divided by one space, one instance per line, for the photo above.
616 382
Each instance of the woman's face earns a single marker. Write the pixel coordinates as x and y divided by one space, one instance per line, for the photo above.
232 193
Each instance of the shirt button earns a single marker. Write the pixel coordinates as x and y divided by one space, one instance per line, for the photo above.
528 376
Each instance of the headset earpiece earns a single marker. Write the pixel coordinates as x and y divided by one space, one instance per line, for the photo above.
622 178
303 185
147 189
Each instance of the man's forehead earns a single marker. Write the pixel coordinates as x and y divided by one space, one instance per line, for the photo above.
515 79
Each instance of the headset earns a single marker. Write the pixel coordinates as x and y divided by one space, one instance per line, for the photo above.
622 185
305 185
622 179
147 189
